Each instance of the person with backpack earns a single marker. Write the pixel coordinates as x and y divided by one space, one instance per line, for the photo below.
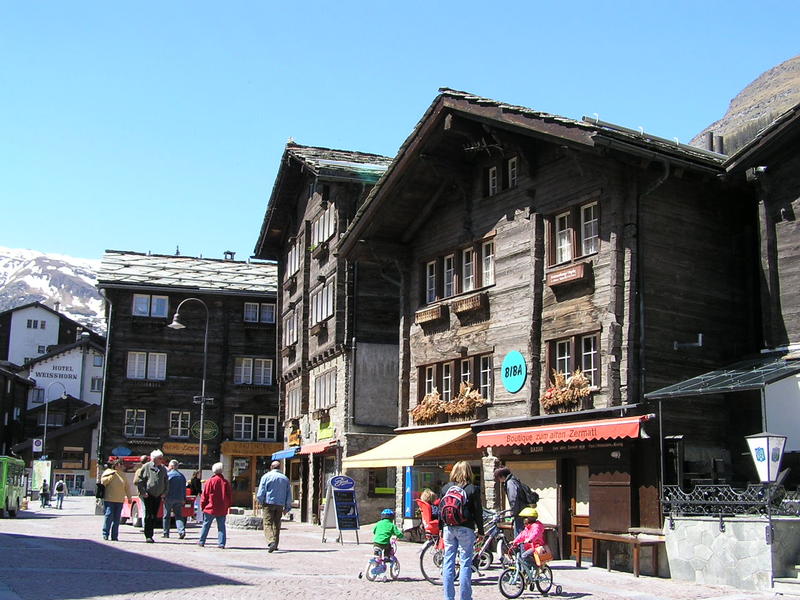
60 488
518 494
460 514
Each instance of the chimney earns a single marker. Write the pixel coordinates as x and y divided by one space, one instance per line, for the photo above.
229 254
56 305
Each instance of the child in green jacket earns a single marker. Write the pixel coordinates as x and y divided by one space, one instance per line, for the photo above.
383 531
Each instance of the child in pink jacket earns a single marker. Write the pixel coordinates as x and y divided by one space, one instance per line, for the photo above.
532 536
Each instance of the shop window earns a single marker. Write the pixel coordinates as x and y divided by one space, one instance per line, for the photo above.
382 482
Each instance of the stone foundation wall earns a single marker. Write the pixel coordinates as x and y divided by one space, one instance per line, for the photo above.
738 556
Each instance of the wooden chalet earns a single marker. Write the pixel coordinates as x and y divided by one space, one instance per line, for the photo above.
559 269
337 325
154 372
14 390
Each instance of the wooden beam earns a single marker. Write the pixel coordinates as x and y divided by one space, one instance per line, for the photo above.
423 215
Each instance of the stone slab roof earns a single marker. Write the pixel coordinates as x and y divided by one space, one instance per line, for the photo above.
135 269
339 163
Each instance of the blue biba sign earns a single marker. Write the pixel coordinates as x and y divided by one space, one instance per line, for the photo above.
344 501
514 371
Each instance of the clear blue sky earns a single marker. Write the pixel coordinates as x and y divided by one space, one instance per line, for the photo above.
146 125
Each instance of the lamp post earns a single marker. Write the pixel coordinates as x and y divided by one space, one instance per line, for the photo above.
46 405
201 399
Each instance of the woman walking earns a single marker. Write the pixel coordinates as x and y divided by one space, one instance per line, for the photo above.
460 513
116 490
215 502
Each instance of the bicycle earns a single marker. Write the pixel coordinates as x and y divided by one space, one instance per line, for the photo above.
494 537
382 565
522 574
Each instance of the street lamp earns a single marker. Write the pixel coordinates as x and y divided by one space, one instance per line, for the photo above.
46 405
201 399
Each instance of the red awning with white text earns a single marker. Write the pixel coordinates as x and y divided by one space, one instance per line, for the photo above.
601 429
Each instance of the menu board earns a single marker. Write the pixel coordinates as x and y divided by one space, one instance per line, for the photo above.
341 507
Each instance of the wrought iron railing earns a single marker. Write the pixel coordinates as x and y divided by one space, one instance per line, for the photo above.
725 501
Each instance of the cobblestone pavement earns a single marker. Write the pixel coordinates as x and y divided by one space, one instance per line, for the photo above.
51 554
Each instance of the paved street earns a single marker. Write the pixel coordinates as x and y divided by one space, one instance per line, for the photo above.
52 554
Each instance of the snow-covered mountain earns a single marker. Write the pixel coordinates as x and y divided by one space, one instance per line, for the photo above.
30 276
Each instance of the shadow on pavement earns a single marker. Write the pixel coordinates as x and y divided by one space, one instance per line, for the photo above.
87 569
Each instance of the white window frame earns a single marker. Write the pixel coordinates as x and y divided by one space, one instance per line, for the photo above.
147 305
293 258
266 312
325 390
243 427
590 359
179 423
242 370
290 328
150 366
250 312
447 381
487 263
266 428
590 224
492 183
97 360
467 270
322 300
324 226
135 423
563 356
430 281
430 379
486 380
466 371
449 275
512 172
96 384
42 324
562 237
294 402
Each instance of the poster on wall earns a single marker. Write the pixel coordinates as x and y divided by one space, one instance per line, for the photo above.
341 507
41 472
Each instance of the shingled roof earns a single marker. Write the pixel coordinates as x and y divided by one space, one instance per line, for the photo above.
347 164
135 269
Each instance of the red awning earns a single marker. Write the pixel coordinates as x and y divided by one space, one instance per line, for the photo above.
602 429
318 447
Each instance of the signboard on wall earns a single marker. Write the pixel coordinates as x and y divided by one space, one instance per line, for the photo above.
341 507
514 371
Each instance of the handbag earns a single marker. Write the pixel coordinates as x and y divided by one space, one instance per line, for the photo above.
100 491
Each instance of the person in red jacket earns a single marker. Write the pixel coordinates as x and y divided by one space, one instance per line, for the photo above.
215 502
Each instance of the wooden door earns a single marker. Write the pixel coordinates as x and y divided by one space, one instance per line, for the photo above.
578 502
242 481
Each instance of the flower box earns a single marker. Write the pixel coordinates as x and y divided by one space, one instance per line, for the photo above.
468 303
427 315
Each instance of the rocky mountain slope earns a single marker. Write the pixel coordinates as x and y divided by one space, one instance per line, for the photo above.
29 276
772 93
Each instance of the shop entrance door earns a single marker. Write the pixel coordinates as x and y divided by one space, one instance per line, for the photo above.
578 506
242 481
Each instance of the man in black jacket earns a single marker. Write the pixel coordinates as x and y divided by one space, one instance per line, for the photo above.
517 499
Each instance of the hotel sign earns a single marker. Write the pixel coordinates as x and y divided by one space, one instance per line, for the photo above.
566 275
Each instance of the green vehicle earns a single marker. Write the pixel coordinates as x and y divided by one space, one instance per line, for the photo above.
12 472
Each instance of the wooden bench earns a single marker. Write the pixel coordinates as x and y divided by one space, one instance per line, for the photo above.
633 540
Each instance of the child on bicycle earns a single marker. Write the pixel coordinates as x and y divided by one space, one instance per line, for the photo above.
532 536
383 531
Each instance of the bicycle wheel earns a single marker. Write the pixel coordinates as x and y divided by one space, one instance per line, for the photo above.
371 570
394 568
430 563
483 560
544 579
511 583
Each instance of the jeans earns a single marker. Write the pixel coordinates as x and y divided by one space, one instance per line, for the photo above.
207 518
462 540
59 499
151 504
176 507
112 512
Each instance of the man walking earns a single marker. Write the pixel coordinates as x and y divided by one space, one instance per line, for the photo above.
174 500
275 496
60 488
151 481
515 493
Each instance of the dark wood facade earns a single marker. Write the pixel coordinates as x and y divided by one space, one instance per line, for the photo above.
154 407
14 391
579 245
337 323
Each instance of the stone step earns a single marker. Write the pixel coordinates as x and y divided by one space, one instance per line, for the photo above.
787 585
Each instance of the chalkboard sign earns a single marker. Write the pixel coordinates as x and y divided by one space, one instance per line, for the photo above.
341 507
